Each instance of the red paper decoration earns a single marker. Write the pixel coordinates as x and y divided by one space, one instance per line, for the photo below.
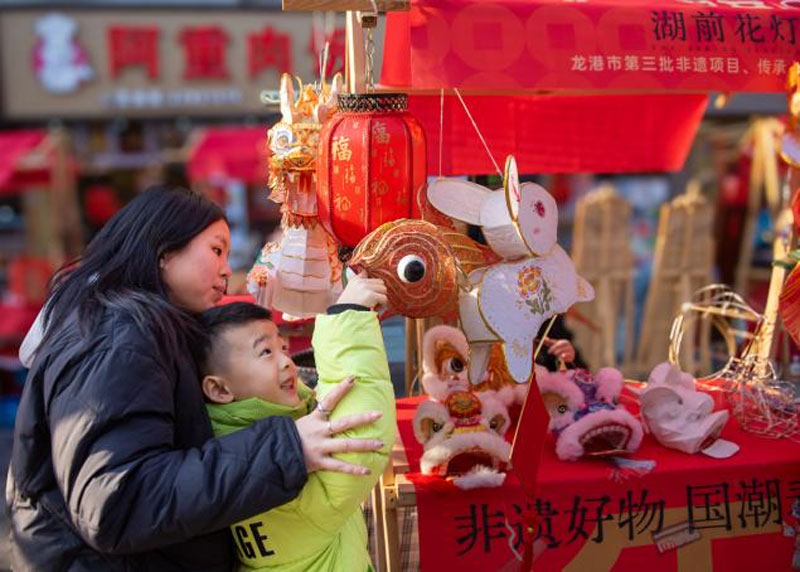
372 161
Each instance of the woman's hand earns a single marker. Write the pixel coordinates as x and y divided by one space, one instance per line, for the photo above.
316 433
364 291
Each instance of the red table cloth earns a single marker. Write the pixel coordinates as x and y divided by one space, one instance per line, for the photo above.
593 516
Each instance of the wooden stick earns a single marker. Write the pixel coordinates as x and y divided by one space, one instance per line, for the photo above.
378 516
354 55
411 369
780 247
345 5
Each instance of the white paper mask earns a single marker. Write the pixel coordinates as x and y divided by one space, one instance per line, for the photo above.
679 416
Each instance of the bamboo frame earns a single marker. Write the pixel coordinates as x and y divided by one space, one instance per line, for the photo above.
782 245
602 255
682 264
763 185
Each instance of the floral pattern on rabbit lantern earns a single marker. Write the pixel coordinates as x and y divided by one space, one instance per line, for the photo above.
508 301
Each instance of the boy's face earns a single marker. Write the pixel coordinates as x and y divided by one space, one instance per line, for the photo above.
251 361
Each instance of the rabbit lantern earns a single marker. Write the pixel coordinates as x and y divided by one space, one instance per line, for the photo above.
508 301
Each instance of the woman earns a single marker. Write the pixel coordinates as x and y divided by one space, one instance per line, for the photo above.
113 466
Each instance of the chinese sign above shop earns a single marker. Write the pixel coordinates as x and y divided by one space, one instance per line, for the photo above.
691 45
92 63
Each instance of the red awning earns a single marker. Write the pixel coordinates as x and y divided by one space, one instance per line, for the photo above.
230 153
607 45
561 134
14 147
645 132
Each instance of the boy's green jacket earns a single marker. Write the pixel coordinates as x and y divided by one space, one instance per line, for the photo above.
323 528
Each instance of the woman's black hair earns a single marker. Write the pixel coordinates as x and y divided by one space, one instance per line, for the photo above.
120 269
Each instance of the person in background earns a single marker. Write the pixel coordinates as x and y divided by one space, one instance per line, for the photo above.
558 347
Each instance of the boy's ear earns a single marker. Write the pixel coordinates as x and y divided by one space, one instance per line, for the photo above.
216 390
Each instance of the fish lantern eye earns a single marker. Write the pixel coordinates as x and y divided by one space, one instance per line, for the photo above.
411 269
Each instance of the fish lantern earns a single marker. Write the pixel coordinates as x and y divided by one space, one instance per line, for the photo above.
416 263
372 160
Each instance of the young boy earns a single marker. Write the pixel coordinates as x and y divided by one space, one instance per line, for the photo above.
247 375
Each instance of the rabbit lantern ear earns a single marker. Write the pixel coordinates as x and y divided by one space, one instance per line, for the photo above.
532 209
518 221
537 219
458 199
511 187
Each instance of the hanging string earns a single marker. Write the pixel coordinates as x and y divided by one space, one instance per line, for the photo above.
441 128
478 131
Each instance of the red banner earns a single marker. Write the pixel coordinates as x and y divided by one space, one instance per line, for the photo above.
690 512
619 45
560 134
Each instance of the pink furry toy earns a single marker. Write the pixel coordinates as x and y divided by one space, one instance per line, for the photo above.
585 415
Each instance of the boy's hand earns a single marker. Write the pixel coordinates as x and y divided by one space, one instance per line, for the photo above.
364 291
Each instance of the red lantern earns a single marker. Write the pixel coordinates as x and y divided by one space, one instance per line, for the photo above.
372 160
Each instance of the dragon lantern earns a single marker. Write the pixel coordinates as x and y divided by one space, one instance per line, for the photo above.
301 275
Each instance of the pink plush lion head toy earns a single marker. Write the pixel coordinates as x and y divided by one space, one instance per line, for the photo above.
585 414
